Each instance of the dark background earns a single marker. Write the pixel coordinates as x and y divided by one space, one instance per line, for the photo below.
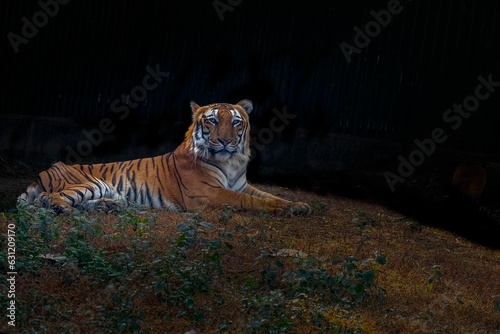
352 120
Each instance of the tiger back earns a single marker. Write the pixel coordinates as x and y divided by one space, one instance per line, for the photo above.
208 169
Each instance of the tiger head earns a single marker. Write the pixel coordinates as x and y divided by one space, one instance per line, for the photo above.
220 132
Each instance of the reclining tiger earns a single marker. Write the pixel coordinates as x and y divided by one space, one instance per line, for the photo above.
208 169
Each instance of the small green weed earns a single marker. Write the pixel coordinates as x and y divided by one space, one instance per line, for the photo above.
435 277
190 266
319 206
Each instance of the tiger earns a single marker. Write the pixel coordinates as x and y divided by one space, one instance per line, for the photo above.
208 169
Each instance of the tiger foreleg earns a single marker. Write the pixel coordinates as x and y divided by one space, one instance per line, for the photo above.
244 201
251 190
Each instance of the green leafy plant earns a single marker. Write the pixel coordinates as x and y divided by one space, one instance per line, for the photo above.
319 206
364 222
226 214
269 313
308 289
190 266
36 233
435 276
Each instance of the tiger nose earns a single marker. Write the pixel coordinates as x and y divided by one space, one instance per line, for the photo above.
224 141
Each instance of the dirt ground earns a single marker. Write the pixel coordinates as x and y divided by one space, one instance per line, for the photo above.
464 295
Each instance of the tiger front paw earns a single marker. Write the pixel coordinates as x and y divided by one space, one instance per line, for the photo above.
300 208
293 209
104 204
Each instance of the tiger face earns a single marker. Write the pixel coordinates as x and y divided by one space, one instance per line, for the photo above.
220 131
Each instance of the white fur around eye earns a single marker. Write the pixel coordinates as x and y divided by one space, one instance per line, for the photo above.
212 120
237 119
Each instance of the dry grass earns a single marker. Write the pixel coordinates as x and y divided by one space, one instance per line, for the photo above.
462 297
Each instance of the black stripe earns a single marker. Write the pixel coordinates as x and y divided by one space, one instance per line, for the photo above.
216 166
160 199
164 167
65 174
134 189
119 187
105 171
148 196
179 181
92 180
213 186
127 173
132 180
49 185
40 182
241 174
79 193
91 189
146 167
68 197
54 171
141 197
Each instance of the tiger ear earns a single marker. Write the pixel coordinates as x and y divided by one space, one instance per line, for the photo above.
194 106
246 105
